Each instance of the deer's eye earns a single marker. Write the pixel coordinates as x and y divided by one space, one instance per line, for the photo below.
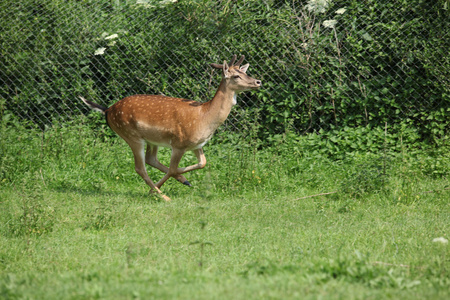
236 76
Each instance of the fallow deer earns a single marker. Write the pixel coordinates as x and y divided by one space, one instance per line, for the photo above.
180 124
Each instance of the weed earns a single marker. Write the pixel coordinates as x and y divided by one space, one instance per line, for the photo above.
364 179
203 223
201 244
346 207
35 218
358 268
101 218
268 269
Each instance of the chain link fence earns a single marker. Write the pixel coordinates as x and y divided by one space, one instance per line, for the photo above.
324 64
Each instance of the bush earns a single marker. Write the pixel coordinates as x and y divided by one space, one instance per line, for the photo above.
336 65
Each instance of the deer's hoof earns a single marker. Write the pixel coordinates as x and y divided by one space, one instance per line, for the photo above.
187 183
165 198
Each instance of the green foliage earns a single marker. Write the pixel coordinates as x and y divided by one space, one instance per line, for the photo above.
33 219
366 178
357 268
380 62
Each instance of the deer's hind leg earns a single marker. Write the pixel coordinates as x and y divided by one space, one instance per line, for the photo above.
138 148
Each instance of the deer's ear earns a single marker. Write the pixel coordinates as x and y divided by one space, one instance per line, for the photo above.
226 69
244 68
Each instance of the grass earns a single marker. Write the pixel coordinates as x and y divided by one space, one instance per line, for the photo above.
78 223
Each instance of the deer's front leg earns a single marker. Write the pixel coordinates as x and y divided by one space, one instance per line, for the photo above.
152 160
201 162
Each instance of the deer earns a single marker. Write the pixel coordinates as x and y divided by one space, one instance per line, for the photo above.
154 121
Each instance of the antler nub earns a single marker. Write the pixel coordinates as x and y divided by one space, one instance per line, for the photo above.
240 61
217 66
233 59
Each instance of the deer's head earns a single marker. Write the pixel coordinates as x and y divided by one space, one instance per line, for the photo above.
236 77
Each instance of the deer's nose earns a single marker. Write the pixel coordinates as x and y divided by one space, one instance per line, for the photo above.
258 82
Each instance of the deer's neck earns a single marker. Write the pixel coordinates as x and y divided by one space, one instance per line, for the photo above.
218 109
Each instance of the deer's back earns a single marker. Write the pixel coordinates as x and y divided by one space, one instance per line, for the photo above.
157 119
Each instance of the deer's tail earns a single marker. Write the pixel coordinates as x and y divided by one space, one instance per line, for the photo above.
94 106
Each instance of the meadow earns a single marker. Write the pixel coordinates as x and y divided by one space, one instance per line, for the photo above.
278 220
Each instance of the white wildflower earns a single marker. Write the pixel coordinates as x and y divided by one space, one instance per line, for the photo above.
100 51
318 6
340 11
441 240
112 36
329 23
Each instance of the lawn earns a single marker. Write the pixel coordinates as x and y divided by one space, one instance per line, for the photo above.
78 223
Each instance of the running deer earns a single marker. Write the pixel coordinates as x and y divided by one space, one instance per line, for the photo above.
180 124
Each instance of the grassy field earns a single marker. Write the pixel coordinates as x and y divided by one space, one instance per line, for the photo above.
78 223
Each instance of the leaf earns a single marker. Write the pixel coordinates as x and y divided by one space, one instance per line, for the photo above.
100 51
367 37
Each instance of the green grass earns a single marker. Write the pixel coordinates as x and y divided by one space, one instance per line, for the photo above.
78 223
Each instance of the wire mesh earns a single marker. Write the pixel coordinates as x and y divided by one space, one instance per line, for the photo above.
323 64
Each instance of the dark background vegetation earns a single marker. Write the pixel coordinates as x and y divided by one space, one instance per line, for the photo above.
385 63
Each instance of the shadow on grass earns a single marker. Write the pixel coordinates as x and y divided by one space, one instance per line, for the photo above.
173 189
129 195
